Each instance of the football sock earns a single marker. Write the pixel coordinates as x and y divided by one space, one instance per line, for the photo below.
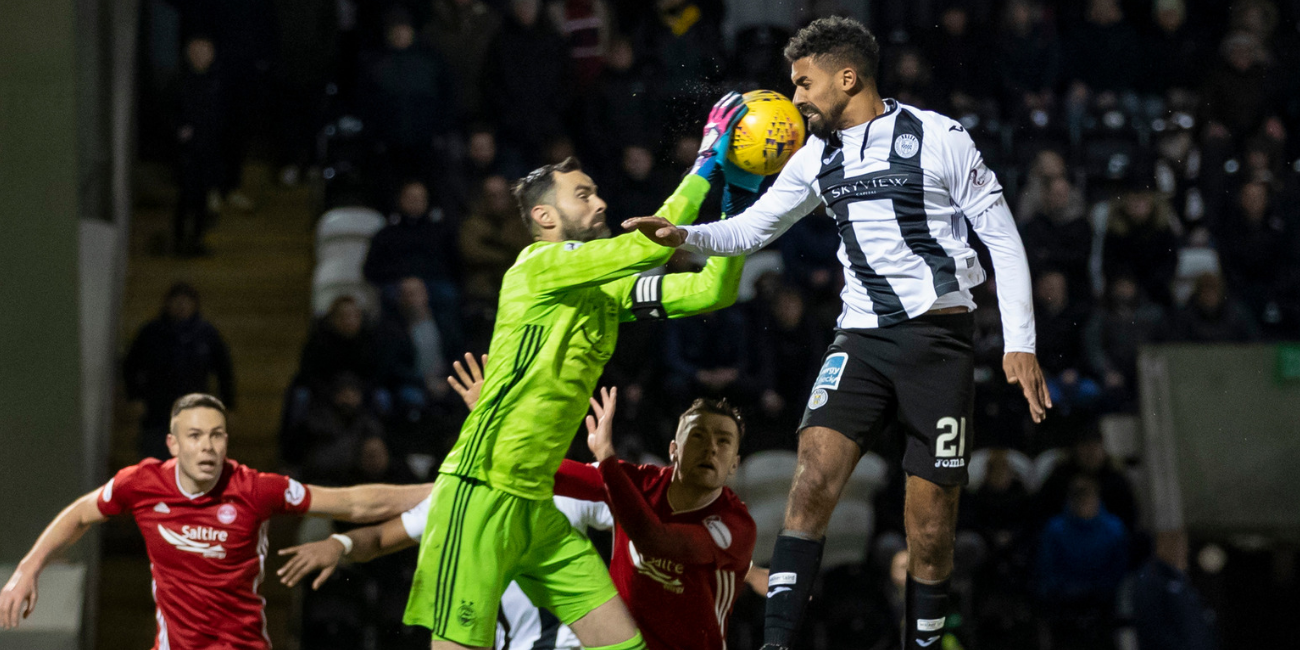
926 611
634 643
795 561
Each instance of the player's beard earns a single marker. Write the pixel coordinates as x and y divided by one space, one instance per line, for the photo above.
572 231
823 123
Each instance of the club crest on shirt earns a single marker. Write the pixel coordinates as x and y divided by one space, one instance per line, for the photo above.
226 514
907 145
718 531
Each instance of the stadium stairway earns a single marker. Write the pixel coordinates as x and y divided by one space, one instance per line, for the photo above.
255 287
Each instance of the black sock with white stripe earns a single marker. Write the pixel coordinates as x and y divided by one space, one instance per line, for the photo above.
795 561
926 611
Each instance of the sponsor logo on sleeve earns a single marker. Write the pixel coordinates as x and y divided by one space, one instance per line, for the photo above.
718 531
295 493
107 493
926 643
783 578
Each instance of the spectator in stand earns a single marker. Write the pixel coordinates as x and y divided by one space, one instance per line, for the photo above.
1082 557
684 50
585 25
200 135
1058 237
406 99
808 253
419 242
639 189
1212 316
1100 55
308 53
176 354
525 83
340 342
959 60
1168 613
1048 166
1088 458
1060 347
1174 55
413 359
712 356
490 240
908 80
1029 59
624 103
1257 251
335 430
1000 509
1115 333
1238 94
461 31
999 513
792 341
1141 241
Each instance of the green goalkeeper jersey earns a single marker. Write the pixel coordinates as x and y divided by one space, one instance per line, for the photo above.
557 323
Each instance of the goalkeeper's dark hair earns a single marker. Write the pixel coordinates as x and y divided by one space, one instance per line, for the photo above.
836 42
538 187
717 407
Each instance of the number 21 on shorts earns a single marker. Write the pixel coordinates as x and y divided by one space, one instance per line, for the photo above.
953 429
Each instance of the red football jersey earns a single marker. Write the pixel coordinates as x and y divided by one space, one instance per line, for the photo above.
207 551
681 578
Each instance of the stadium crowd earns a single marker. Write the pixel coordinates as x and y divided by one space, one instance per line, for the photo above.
1147 146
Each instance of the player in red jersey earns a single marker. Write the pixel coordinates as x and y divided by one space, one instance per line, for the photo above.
683 540
203 518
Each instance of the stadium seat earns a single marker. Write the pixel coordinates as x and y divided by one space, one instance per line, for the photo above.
768 518
1045 463
1020 464
848 534
354 223
1191 263
340 274
756 266
1121 435
766 475
871 474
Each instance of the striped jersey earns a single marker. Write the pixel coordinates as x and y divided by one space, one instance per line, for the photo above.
903 189
520 624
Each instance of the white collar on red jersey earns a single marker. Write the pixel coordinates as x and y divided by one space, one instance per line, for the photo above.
188 495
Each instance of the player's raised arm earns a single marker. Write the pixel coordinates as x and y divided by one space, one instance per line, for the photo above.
975 189
18 597
364 504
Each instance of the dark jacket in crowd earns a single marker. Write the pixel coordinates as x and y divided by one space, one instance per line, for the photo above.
423 247
1168 613
330 440
1116 493
1066 247
201 118
1082 560
1103 56
524 82
407 98
1028 63
328 354
169 359
1060 346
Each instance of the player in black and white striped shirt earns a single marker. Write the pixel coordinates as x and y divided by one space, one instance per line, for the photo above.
903 186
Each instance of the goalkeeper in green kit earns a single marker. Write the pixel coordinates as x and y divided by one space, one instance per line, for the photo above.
492 518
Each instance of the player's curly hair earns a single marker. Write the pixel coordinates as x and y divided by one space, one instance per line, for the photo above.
836 42
717 407
536 188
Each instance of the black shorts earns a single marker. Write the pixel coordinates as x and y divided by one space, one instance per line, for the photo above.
919 374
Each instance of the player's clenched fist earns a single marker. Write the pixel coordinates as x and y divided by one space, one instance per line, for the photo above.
658 230
17 599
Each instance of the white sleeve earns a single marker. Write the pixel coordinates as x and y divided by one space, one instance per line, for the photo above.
975 189
586 514
789 199
413 520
